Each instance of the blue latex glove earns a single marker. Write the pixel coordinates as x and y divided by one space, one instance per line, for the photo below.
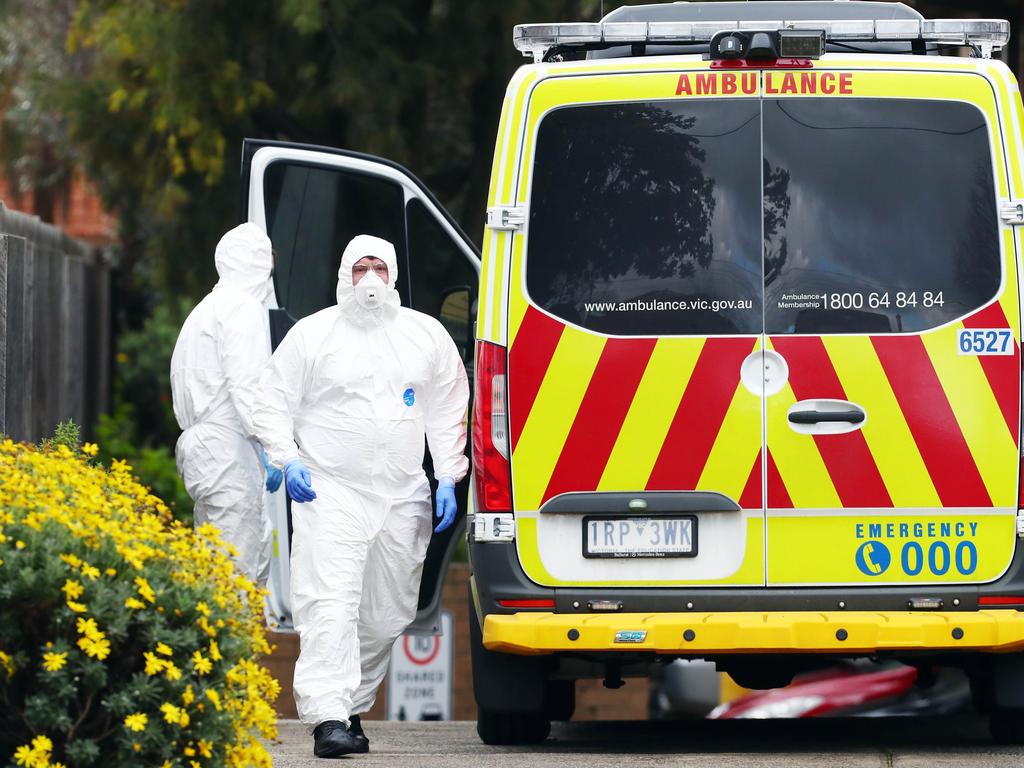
446 507
274 475
296 480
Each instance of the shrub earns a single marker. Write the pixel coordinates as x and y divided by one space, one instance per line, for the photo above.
126 639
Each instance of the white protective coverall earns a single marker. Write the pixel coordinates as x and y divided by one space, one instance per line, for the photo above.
221 351
357 389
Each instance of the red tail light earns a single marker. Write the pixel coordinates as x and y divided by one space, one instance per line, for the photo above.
1003 600
533 603
491 469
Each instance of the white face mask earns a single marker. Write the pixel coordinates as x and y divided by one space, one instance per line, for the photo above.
370 291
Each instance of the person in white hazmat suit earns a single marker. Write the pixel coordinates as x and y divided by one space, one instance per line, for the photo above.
222 349
347 399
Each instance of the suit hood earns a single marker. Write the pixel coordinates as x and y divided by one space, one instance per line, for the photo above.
244 261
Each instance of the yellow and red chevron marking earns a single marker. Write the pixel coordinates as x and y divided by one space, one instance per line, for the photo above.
942 428
589 413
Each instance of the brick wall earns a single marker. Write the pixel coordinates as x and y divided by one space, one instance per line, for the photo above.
80 213
593 701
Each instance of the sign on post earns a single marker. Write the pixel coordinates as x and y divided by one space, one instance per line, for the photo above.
420 676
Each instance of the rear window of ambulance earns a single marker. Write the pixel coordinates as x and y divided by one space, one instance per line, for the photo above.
645 218
880 215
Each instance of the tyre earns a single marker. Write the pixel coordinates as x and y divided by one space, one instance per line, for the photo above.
516 701
1007 726
503 728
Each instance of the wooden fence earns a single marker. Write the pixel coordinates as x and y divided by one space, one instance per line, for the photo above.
55 328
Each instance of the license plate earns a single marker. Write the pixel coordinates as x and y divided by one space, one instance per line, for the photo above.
640 536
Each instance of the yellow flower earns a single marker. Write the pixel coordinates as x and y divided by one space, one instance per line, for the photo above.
172 673
77 607
23 755
52 662
72 588
205 748
188 696
188 752
145 590
7 663
202 664
91 571
36 755
164 649
132 602
111 572
136 721
90 449
71 560
88 628
203 608
19 544
214 698
95 647
174 715
154 665
215 651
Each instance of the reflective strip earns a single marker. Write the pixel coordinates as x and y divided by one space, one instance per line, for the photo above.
1009 301
528 363
1002 371
737 445
931 420
778 496
847 457
801 469
600 417
977 413
886 432
698 419
757 632
552 415
650 414
752 496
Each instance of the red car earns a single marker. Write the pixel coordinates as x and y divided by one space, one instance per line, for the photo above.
864 689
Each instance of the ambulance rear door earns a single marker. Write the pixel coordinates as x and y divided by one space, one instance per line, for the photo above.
891 301
635 372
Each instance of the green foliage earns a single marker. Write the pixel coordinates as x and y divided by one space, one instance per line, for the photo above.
143 368
126 638
117 434
141 428
67 434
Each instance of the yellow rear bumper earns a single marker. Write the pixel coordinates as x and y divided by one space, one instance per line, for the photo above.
797 632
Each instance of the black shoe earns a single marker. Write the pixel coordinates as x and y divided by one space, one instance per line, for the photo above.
332 739
356 729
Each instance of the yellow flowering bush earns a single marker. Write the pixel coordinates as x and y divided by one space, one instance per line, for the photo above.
126 638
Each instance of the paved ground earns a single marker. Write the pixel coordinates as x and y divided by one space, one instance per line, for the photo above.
874 743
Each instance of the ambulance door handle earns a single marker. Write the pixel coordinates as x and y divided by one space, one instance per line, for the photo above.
817 417
825 417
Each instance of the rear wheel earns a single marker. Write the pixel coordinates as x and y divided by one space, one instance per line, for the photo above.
1007 726
511 727
516 701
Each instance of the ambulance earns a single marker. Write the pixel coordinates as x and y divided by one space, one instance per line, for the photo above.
745 341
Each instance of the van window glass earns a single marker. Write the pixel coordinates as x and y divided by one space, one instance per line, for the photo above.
442 279
312 214
880 215
645 218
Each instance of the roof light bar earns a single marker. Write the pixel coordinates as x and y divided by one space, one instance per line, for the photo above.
537 40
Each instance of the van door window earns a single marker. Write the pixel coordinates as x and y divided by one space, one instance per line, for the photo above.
645 218
312 214
879 215
443 281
